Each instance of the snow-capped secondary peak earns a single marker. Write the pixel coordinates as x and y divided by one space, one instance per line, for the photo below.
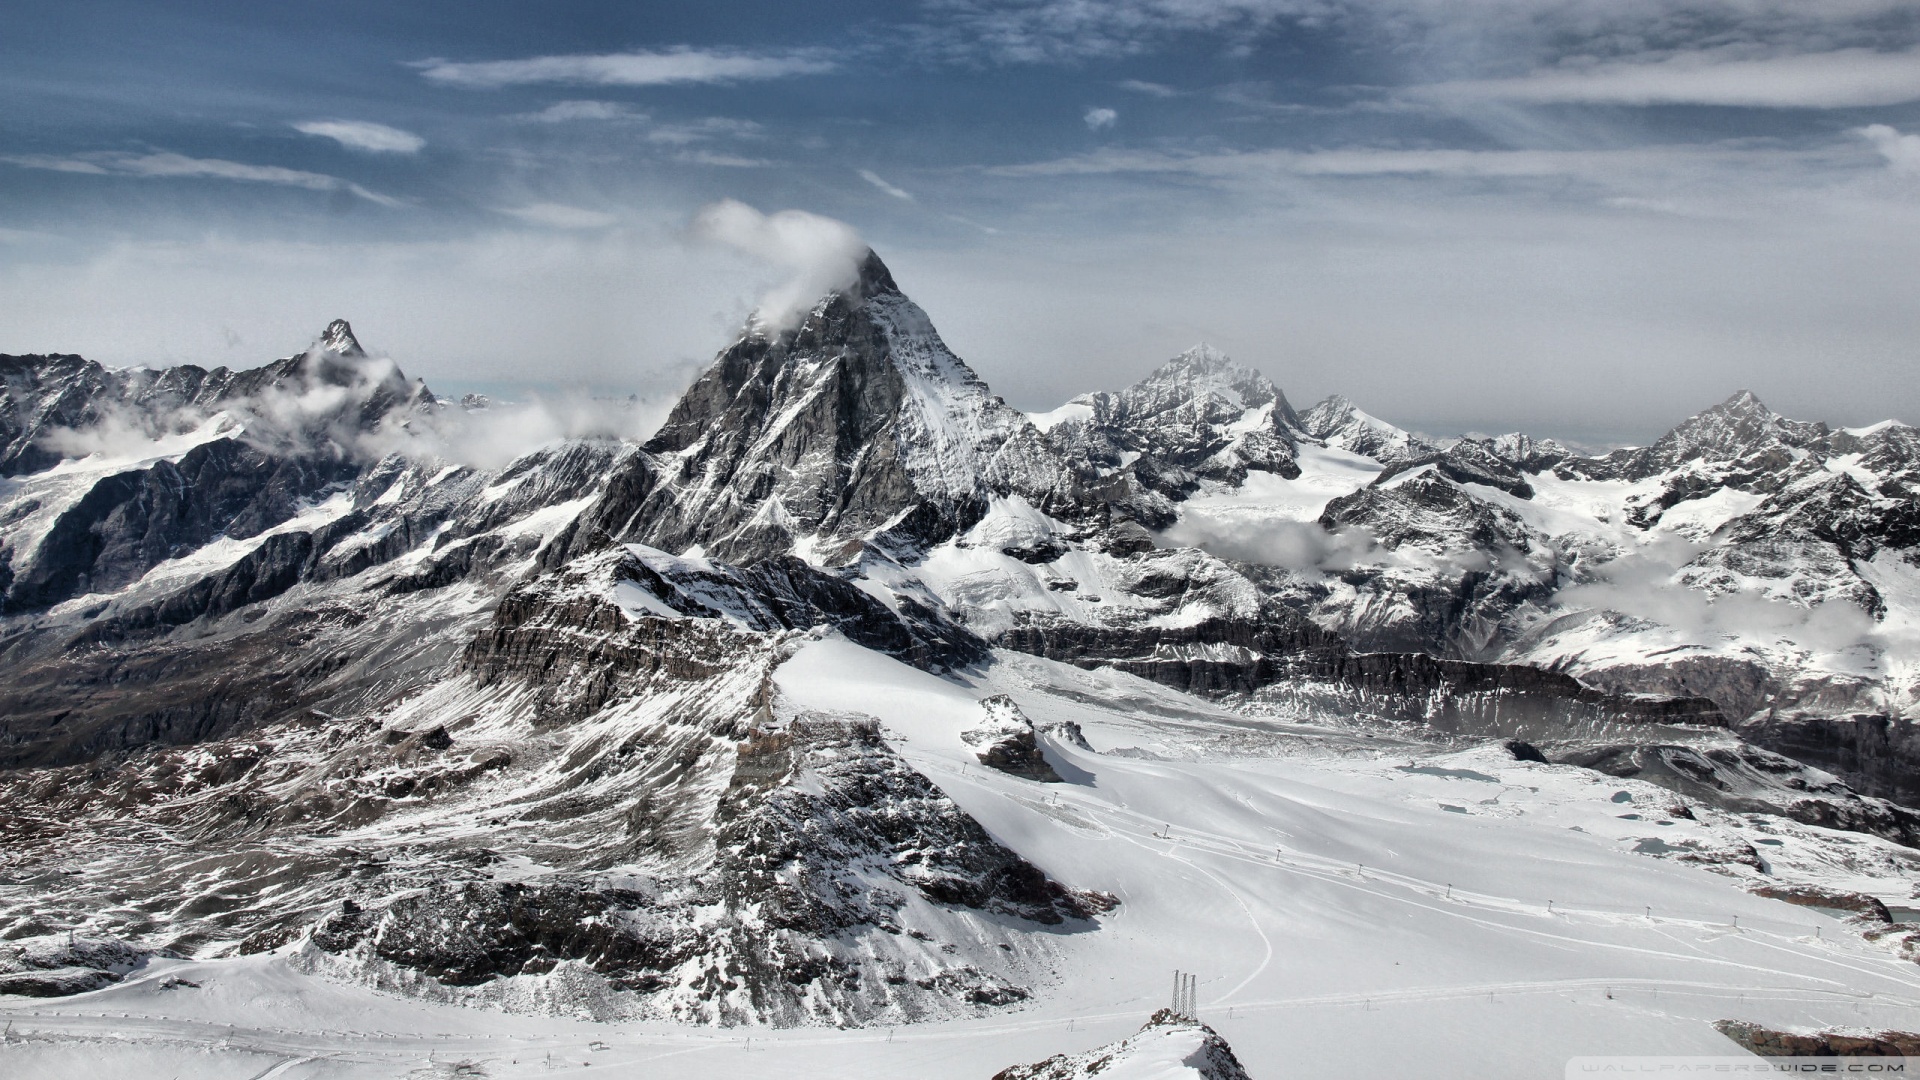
338 339
1340 424
1206 374
1735 427
1334 409
1739 429
1199 416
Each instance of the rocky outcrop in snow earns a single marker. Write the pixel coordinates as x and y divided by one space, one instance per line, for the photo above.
1770 1042
1005 740
1169 1047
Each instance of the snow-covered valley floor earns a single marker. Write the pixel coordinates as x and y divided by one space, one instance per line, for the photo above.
1343 900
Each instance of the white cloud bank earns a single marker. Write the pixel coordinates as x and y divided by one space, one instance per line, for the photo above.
363 135
682 65
1101 118
819 254
1901 151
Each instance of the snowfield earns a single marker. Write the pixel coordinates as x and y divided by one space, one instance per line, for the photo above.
1343 899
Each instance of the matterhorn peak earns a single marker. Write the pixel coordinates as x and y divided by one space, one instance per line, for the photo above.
338 339
875 279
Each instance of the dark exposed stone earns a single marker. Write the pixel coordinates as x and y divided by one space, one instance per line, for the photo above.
1769 1042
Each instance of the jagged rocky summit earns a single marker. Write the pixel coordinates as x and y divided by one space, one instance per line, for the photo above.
515 736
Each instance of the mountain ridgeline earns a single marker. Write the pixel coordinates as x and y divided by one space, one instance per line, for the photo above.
256 615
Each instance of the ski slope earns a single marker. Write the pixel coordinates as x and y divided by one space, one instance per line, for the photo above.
1344 900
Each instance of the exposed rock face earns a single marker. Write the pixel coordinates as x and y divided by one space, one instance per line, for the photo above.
1769 1042
1466 462
1867 909
1169 1047
56 965
1808 541
1524 452
114 676
1459 569
827 849
1744 779
128 523
1879 754
786 594
267 440
1005 741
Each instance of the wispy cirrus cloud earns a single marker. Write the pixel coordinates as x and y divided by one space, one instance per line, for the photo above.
640 68
1444 39
1840 78
1635 178
703 130
363 135
168 165
567 112
872 178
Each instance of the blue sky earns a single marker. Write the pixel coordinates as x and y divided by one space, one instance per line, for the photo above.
1580 218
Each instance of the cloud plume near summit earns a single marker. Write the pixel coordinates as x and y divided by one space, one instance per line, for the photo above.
818 254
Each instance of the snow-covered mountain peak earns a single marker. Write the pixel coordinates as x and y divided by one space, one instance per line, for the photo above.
1738 428
856 422
875 279
1198 417
1331 411
1209 377
338 339
1340 424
